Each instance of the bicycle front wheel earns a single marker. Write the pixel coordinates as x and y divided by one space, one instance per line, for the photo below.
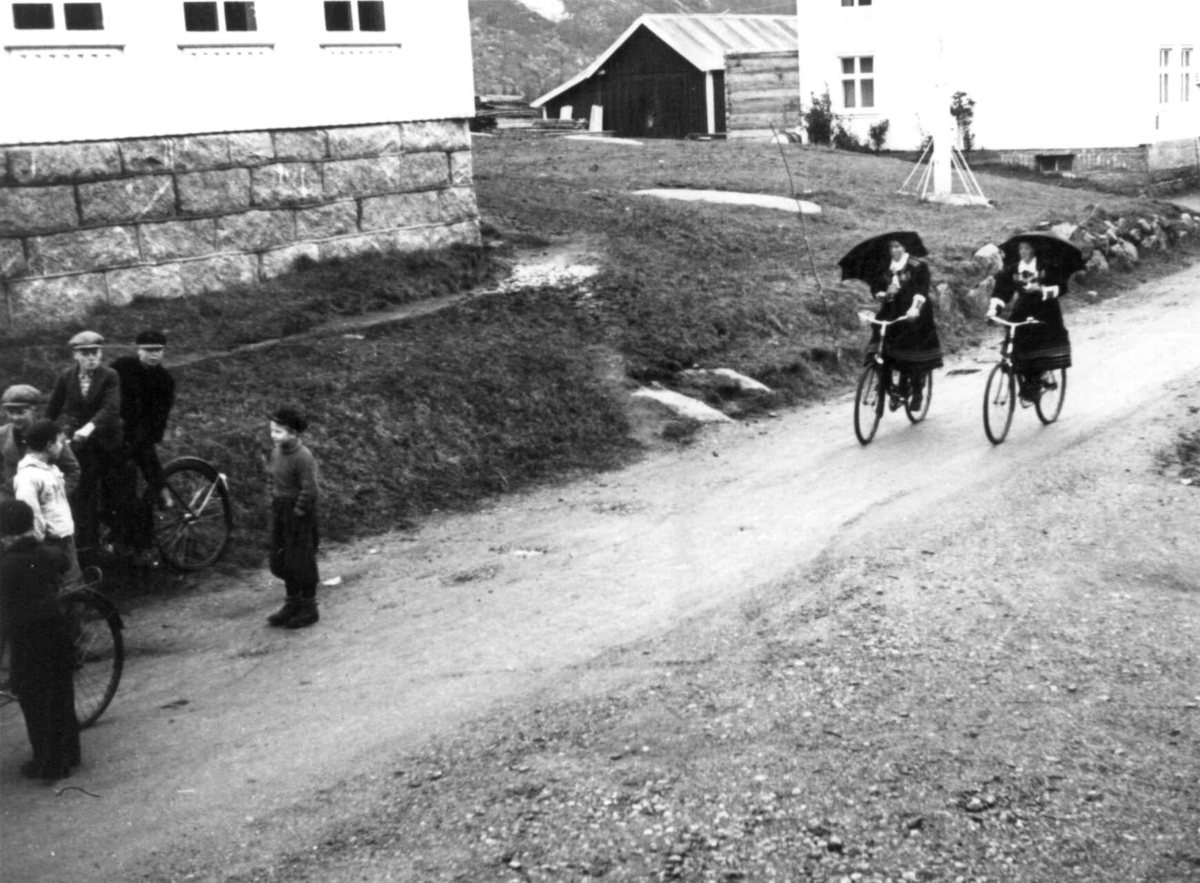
868 404
95 627
916 415
191 531
999 399
1054 391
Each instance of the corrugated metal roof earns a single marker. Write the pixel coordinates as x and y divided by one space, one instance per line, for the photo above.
703 40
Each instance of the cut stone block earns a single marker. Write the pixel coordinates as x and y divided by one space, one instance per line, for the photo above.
178 239
127 199
83 250
37 209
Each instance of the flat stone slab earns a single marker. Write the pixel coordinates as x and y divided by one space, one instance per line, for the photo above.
783 203
684 406
604 140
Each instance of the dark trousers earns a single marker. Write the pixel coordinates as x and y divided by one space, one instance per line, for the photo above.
294 542
99 496
43 677
140 515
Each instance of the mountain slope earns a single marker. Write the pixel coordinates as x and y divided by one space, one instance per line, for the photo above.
518 51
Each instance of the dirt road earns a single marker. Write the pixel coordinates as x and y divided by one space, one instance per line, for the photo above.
222 725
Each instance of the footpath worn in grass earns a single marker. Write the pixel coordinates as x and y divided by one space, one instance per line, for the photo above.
502 390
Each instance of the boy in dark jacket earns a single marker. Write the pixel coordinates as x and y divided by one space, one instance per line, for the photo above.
39 635
86 402
147 396
294 492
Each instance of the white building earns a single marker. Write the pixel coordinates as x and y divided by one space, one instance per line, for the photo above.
163 147
1076 85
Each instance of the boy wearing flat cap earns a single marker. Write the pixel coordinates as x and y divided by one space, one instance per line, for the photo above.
86 402
147 396
294 539
20 405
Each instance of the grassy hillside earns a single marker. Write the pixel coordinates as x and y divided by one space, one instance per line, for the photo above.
504 390
518 51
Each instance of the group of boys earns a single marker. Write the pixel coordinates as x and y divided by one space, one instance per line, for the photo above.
75 466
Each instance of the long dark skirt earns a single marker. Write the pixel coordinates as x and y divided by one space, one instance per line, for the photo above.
294 542
43 677
911 346
1044 347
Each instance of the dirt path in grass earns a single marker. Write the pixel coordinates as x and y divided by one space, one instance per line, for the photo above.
225 734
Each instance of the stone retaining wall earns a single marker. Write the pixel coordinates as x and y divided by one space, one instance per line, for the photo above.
109 221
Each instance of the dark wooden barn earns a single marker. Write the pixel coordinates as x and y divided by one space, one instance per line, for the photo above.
665 76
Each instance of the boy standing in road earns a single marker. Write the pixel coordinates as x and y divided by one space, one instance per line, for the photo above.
43 654
39 484
294 539
147 396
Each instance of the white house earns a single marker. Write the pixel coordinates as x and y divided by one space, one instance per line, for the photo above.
163 147
1072 84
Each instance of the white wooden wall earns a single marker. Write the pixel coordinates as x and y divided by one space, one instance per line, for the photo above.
145 75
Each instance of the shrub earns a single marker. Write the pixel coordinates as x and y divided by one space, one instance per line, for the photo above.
844 139
819 119
878 134
963 110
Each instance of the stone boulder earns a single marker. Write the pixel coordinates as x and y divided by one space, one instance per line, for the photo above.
989 258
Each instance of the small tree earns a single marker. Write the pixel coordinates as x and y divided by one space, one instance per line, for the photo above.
819 119
878 134
963 110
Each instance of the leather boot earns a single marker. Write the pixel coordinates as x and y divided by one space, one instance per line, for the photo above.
305 614
283 614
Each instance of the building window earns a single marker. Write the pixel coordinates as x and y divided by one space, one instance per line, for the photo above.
33 16
858 82
83 16
1164 76
1185 73
40 16
363 15
205 16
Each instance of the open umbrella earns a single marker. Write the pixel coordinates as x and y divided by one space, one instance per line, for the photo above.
1052 249
871 256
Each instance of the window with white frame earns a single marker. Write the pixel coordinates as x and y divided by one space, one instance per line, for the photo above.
858 82
231 15
1164 76
1185 73
355 15
41 17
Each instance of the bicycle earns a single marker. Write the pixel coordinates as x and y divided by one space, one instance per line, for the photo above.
96 631
193 524
193 516
1000 394
877 387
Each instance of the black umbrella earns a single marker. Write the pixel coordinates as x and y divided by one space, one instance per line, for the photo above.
1049 248
871 256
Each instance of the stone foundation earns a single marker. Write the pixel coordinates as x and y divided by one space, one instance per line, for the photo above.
106 222
1162 167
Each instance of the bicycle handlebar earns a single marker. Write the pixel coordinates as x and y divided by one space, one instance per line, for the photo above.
882 323
1027 321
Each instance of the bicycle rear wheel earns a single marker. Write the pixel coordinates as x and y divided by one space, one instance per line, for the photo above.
1054 391
191 533
868 404
916 415
99 651
999 399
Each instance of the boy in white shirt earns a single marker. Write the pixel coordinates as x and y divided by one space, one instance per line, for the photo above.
40 484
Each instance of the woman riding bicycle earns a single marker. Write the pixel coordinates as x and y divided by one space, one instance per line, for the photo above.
1032 286
912 346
